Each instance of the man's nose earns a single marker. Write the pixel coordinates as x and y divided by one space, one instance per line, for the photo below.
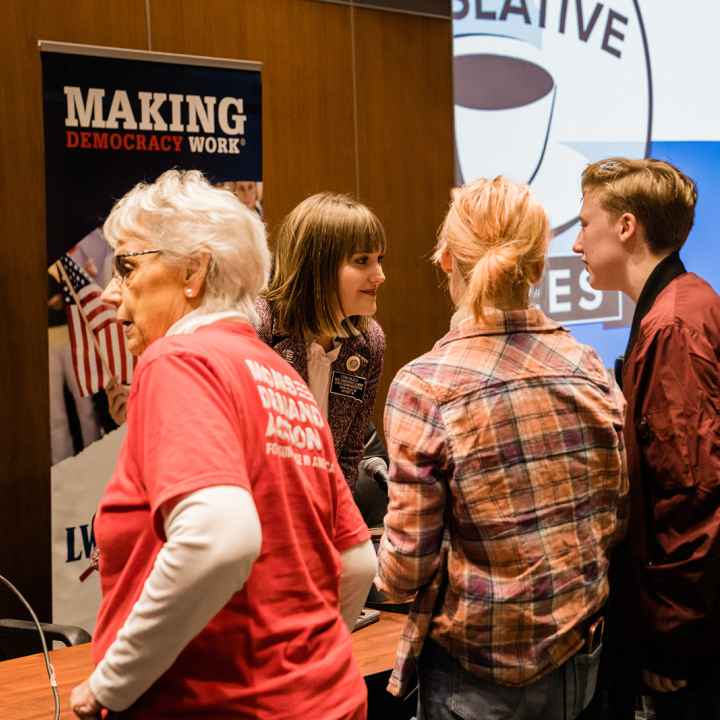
112 294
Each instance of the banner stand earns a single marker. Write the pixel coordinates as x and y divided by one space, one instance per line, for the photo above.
114 117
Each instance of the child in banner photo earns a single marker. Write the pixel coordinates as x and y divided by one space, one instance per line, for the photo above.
248 192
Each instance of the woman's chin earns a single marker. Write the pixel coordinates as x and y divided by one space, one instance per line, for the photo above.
135 345
368 309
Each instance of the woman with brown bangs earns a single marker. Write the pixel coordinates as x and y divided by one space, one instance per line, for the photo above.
317 312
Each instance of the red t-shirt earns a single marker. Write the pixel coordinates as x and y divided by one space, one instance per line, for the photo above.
219 407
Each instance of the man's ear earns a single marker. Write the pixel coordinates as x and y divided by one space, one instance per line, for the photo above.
627 225
196 272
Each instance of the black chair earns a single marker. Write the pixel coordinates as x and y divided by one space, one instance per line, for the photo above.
20 637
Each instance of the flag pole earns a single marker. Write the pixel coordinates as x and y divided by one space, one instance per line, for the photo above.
71 289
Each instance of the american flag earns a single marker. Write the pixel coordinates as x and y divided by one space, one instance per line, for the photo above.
92 315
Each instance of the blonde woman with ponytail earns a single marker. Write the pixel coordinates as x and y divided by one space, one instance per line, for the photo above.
507 483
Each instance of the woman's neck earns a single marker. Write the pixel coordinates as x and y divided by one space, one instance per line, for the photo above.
511 299
326 342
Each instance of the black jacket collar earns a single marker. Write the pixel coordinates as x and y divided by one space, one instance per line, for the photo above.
664 273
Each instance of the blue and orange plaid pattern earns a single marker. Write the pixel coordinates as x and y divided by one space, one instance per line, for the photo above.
507 488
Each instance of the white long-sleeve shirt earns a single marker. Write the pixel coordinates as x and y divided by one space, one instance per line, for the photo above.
213 538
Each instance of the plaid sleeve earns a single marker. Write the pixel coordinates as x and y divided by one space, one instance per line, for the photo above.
410 548
623 513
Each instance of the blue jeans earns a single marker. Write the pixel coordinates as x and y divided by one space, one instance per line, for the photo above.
449 692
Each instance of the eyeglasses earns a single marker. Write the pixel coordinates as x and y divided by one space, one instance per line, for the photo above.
122 270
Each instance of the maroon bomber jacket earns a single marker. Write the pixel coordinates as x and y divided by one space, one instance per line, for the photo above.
671 379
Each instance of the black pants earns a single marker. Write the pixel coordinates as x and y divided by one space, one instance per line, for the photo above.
700 700
618 681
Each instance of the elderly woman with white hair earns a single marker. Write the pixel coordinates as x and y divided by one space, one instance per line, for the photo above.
232 557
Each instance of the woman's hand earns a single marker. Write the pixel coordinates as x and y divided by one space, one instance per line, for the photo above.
83 703
658 683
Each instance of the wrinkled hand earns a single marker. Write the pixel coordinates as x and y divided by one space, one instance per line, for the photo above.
117 395
658 683
83 703
56 302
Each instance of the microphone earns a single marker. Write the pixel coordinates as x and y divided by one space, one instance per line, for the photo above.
377 468
48 665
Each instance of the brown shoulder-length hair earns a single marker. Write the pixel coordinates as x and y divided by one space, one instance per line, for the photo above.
312 243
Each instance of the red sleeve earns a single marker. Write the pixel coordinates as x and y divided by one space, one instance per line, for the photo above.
188 430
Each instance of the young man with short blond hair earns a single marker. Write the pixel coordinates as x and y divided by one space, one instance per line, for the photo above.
636 216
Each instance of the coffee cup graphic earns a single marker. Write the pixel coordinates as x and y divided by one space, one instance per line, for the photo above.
504 101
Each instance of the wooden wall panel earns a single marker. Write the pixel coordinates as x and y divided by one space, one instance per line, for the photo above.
305 48
404 105
24 421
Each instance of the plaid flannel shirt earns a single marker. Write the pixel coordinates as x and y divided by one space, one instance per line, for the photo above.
507 487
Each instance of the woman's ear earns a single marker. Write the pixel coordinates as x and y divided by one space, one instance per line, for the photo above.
446 261
534 272
195 274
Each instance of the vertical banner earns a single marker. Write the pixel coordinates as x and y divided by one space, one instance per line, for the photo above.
544 87
114 118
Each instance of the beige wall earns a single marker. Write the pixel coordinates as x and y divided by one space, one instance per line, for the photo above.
354 100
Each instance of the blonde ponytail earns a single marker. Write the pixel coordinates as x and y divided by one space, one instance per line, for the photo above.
497 234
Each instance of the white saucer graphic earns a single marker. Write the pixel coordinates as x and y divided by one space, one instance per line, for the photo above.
552 186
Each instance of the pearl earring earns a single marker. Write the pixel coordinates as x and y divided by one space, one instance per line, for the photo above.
188 292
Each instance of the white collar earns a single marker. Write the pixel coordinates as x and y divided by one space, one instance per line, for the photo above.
197 318
316 348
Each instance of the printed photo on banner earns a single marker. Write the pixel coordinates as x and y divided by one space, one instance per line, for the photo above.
112 119
248 192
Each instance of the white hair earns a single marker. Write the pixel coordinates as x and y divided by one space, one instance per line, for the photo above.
184 216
